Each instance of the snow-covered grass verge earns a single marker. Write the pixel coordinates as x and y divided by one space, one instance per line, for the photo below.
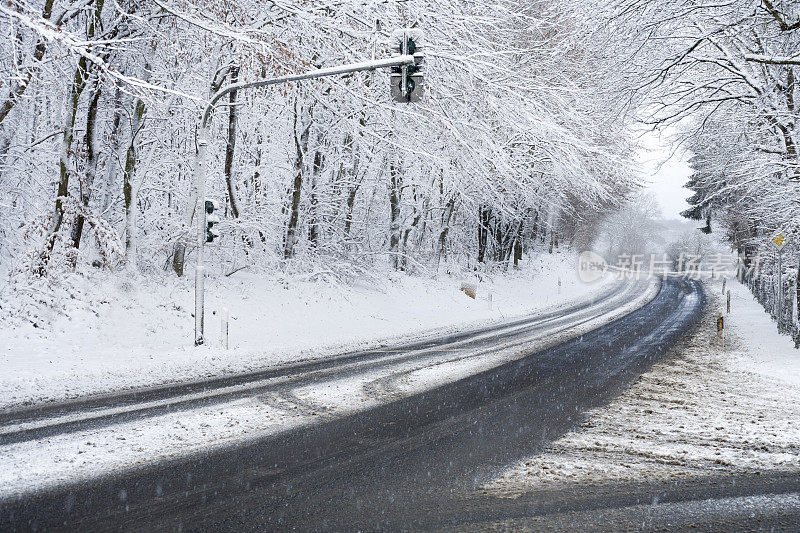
51 461
106 333
702 410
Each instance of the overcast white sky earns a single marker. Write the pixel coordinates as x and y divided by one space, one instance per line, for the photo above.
665 173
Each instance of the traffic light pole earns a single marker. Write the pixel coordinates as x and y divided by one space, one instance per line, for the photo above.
202 146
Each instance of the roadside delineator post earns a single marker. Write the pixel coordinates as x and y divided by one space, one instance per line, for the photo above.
723 285
720 328
224 327
729 303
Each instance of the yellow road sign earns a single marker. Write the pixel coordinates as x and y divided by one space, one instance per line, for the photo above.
779 240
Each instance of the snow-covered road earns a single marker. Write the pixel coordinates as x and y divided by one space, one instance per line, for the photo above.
387 466
54 444
100 338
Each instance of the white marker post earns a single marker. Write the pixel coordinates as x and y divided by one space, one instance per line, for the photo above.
224 327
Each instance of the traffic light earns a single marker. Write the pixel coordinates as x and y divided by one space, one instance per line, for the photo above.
407 82
211 220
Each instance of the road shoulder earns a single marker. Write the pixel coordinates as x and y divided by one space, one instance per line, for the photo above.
699 412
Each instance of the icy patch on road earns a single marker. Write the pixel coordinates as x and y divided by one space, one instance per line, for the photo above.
698 412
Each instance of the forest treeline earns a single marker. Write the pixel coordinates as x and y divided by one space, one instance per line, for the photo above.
723 78
522 139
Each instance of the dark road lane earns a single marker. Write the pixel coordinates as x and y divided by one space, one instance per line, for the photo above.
96 411
410 464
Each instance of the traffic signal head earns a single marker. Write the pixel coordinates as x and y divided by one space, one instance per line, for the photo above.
211 205
407 82
211 220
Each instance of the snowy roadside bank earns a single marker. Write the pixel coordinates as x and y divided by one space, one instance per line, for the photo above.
702 410
71 456
106 340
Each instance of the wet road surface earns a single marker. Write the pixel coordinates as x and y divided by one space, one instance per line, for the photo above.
416 463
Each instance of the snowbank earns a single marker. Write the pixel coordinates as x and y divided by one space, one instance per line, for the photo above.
108 334
762 350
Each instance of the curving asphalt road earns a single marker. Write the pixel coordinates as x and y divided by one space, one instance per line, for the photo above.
49 419
413 463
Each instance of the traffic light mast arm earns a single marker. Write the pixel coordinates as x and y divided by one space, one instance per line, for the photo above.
318 73
202 144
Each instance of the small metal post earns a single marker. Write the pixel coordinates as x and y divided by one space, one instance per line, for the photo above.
780 290
729 303
224 327
723 285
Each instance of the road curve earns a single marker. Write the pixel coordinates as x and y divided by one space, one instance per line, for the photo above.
410 464
94 412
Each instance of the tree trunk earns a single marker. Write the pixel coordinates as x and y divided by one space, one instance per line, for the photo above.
20 86
518 246
395 183
5 144
231 146
77 87
416 216
91 161
313 223
499 247
351 202
484 218
354 183
112 160
300 144
442 241
129 186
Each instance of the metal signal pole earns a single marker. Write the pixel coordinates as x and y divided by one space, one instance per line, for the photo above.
202 146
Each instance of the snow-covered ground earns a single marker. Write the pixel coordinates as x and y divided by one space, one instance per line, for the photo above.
765 353
50 461
702 410
105 334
